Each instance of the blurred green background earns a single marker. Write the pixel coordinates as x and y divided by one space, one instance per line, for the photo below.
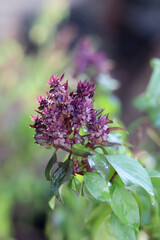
24 192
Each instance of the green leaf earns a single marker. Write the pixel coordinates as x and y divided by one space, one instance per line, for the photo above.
88 196
153 88
125 206
100 224
144 203
61 175
75 185
80 150
52 202
153 173
49 166
156 185
155 178
120 230
108 226
131 172
149 100
98 162
97 186
104 231
154 114
98 213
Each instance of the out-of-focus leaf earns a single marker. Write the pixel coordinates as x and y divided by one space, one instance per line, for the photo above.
131 172
149 100
98 162
49 166
98 213
107 82
57 12
99 223
120 230
97 186
153 173
154 115
61 175
52 202
104 231
112 102
125 206
81 150
144 203
153 88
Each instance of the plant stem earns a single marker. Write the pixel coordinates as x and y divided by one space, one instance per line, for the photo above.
112 178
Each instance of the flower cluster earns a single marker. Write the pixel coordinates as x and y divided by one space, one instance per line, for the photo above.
87 59
62 115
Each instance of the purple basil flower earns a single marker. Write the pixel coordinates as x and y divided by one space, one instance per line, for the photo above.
88 60
61 115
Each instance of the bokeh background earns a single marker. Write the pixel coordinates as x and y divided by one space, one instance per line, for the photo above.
37 38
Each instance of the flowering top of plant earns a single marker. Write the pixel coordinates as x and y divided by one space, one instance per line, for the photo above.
63 116
87 59
68 121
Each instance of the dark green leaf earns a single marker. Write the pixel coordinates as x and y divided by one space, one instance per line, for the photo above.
125 206
120 230
80 150
61 175
49 166
97 186
131 172
99 163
